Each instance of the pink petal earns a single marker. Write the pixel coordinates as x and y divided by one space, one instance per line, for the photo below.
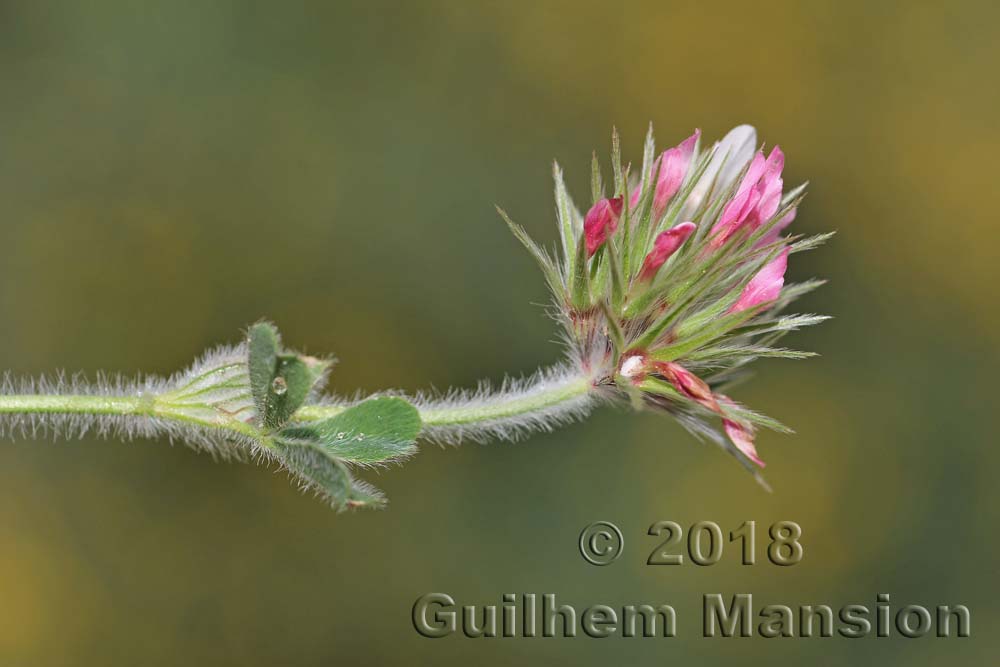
735 212
754 172
616 206
600 222
775 162
742 435
674 164
770 187
732 221
665 245
765 286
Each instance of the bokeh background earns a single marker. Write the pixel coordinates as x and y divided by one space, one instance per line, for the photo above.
170 172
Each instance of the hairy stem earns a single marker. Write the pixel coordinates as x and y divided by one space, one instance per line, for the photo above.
482 410
61 404
543 395
123 406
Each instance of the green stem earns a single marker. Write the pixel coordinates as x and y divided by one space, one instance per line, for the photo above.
489 409
89 405
548 397
121 406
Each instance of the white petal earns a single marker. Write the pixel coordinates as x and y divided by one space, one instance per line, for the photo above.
739 145
735 150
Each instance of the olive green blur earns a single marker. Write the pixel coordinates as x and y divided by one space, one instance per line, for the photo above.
172 171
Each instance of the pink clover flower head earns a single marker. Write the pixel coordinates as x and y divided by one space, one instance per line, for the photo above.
664 303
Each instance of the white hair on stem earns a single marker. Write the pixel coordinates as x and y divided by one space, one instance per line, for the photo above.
217 379
543 401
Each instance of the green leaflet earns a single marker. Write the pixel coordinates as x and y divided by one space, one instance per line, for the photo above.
279 381
263 343
294 378
326 475
376 431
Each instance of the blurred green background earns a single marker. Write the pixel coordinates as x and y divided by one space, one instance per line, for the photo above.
170 172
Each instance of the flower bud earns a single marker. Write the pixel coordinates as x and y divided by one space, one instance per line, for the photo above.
673 163
601 222
665 245
688 384
765 286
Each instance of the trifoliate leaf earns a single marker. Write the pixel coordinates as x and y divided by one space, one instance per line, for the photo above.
376 431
